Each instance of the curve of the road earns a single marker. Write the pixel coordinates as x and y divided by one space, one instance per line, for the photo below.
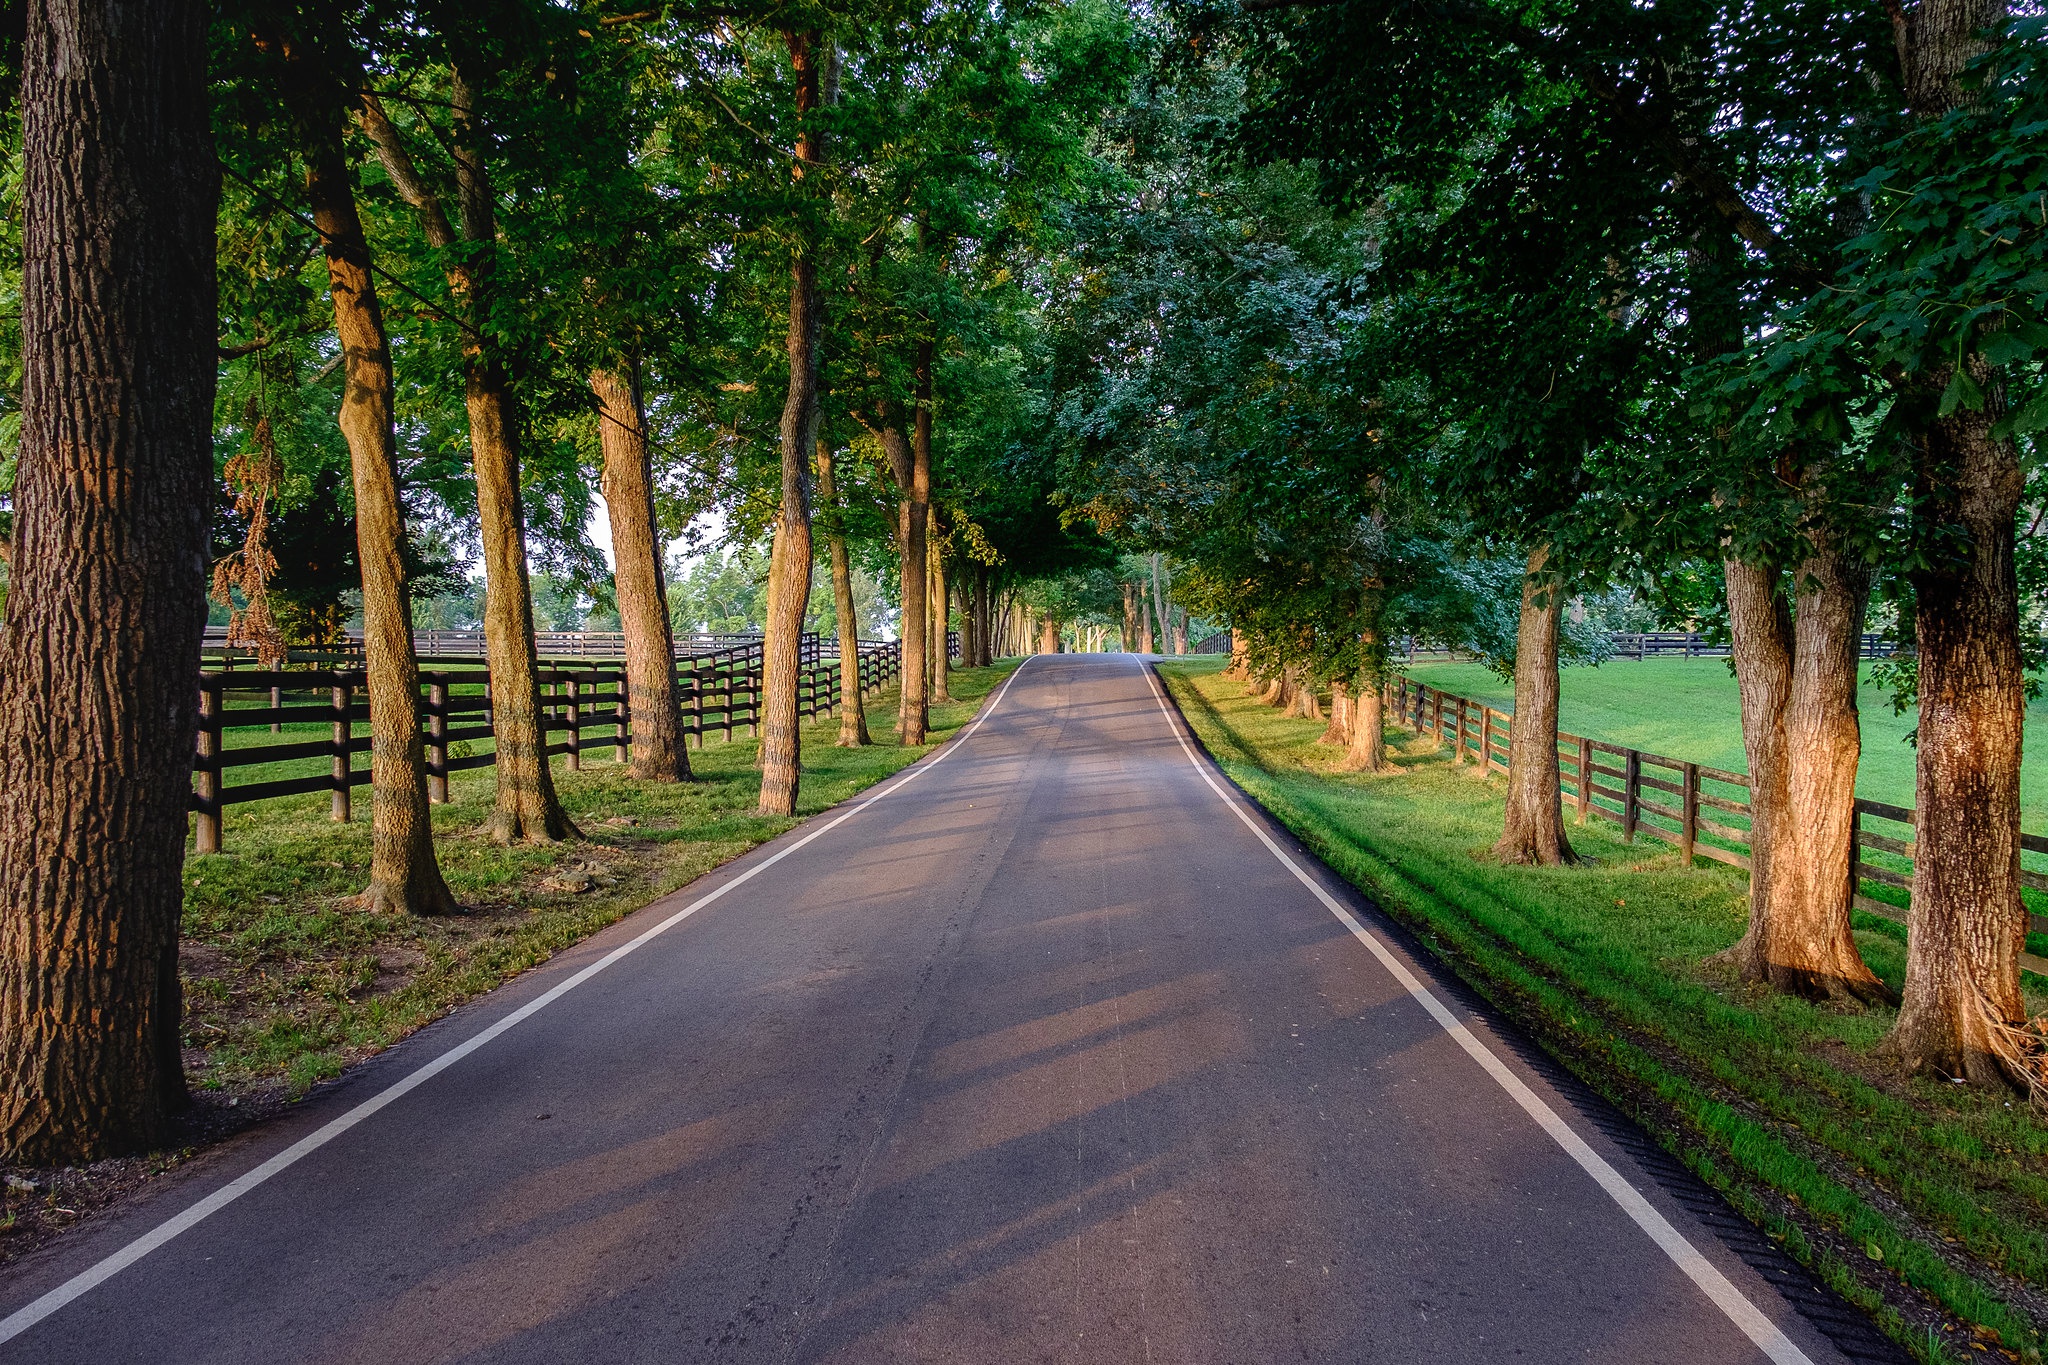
1049 1049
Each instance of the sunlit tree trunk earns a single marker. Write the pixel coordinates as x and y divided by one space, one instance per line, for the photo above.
1967 923
853 713
1797 678
789 565
404 876
1533 830
112 500
1339 731
941 603
527 808
658 751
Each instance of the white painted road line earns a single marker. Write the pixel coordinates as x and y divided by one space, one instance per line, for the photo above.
1702 1272
24 1318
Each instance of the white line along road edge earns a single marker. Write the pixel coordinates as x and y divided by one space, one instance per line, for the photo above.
24 1318
1702 1272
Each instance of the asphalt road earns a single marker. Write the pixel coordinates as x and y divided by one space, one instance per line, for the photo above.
1044 1053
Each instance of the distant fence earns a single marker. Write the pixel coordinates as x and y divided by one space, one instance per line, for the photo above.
469 644
718 690
1666 644
1641 802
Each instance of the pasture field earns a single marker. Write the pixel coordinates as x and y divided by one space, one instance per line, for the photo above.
1689 708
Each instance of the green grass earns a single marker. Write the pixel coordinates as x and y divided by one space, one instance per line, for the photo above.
1775 1101
1689 709
287 980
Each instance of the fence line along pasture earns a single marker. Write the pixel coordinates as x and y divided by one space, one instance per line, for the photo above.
1663 644
1671 799
717 689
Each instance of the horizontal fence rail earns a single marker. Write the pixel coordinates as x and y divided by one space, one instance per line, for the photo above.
549 644
1665 644
717 690
1692 806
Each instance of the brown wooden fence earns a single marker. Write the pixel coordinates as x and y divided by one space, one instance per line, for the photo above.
719 692
1689 805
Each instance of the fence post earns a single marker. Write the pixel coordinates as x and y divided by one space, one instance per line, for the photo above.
1856 850
343 730
276 701
1585 778
1631 793
1689 826
206 835
697 703
437 740
622 718
575 691
1436 723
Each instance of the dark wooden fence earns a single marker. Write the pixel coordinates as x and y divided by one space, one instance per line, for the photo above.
719 691
469 644
1692 806
1660 644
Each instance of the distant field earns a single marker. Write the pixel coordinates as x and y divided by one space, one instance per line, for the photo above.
1689 708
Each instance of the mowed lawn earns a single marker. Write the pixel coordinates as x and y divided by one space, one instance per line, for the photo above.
1689 709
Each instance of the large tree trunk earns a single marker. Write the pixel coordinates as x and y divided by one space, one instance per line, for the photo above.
404 876
910 546
941 604
1796 671
1967 924
789 565
1339 729
1240 655
1049 636
527 808
656 717
112 498
1533 830
853 711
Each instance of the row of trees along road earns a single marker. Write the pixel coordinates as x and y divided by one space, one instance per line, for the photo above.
1334 322
341 295
1739 308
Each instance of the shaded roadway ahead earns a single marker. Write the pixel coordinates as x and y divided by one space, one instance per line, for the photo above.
1041 1054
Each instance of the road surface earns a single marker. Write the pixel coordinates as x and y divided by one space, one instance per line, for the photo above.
1047 1050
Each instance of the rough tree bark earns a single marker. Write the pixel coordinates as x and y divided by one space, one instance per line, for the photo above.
1967 922
1533 831
1240 661
1049 636
527 808
789 564
404 876
114 486
941 602
658 751
853 712
913 486
1339 729
1795 666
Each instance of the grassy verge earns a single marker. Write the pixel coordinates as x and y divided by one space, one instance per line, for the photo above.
1925 1204
287 980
